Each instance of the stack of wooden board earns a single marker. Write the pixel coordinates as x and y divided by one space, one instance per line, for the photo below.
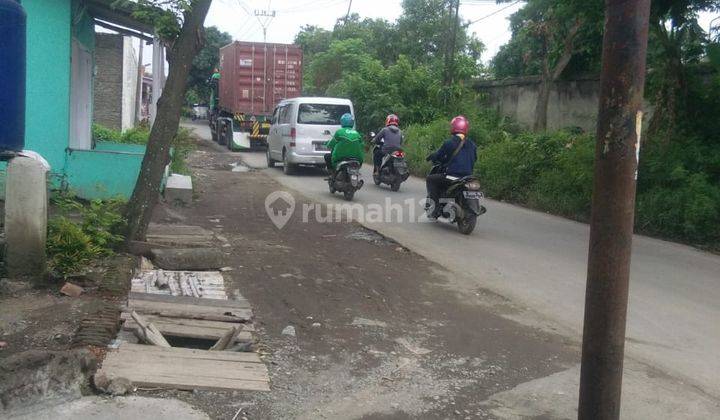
202 318
204 284
182 368
170 234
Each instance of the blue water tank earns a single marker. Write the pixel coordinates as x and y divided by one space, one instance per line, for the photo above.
12 76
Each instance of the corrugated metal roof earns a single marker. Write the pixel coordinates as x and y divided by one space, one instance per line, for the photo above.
104 10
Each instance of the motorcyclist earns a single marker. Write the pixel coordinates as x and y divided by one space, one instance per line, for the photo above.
390 138
345 144
456 157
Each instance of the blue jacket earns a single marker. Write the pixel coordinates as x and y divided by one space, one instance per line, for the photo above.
462 164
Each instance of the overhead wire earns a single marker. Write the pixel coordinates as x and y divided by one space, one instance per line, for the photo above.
492 14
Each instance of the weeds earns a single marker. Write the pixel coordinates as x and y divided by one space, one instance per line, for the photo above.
73 244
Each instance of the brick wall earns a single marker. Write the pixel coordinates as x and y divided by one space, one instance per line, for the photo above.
107 107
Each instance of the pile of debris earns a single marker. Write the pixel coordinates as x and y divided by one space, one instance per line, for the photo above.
188 308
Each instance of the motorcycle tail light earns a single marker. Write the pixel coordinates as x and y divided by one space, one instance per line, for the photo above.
473 185
398 154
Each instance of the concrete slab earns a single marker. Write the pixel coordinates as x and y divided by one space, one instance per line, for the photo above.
118 408
179 189
647 394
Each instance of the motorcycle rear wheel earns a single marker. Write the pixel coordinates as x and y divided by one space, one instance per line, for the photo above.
467 224
395 186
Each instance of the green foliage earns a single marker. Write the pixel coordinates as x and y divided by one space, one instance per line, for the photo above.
69 248
198 90
166 16
82 232
136 135
392 67
102 133
183 144
539 32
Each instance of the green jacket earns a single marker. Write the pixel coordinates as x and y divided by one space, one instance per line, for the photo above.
346 143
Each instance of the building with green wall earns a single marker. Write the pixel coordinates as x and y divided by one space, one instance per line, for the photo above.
60 72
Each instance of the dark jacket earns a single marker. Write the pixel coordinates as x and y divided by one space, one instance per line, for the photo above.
462 164
390 137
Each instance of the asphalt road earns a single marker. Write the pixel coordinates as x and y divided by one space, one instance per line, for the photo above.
538 262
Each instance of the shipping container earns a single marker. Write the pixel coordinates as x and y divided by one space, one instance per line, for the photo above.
255 76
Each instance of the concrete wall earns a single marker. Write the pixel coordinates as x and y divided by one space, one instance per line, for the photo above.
108 95
130 79
572 103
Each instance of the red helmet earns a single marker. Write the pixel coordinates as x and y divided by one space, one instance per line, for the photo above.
459 125
392 119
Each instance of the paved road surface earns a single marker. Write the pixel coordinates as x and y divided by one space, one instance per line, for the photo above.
538 261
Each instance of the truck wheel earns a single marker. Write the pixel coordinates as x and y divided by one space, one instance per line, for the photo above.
222 137
228 140
288 168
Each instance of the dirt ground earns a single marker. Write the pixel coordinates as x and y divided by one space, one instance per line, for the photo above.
377 334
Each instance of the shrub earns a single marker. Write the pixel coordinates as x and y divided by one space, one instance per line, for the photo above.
73 245
136 135
182 144
566 187
686 207
69 248
102 133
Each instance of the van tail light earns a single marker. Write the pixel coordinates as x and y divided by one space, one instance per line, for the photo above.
398 154
293 133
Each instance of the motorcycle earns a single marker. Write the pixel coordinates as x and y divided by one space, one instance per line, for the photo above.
346 178
393 168
460 202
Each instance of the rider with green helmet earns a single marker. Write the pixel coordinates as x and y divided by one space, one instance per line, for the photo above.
345 144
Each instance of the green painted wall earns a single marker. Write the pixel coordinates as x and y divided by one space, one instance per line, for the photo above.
47 119
110 170
119 147
104 173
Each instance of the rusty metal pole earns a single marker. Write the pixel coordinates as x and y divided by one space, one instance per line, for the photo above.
613 207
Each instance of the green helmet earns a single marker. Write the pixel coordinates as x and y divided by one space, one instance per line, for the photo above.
347 120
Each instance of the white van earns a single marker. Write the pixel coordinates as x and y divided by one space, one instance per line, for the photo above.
301 127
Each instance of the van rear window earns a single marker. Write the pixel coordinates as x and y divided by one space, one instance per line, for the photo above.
321 114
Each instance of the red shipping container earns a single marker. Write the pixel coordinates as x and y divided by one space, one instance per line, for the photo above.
255 76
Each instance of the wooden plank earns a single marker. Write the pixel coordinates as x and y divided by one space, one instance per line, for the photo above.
189 354
228 339
190 300
196 368
179 310
168 328
208 284
199 323
189 369
147 331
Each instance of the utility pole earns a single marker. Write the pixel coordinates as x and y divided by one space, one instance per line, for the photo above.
454 17
347 15
613 207
268 15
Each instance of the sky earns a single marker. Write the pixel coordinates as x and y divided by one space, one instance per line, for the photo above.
237 17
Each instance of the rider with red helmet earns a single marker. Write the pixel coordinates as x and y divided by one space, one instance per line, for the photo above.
457 157
390 137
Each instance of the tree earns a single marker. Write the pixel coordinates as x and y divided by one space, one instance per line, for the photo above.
676 42
547 36
179 24
207 59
